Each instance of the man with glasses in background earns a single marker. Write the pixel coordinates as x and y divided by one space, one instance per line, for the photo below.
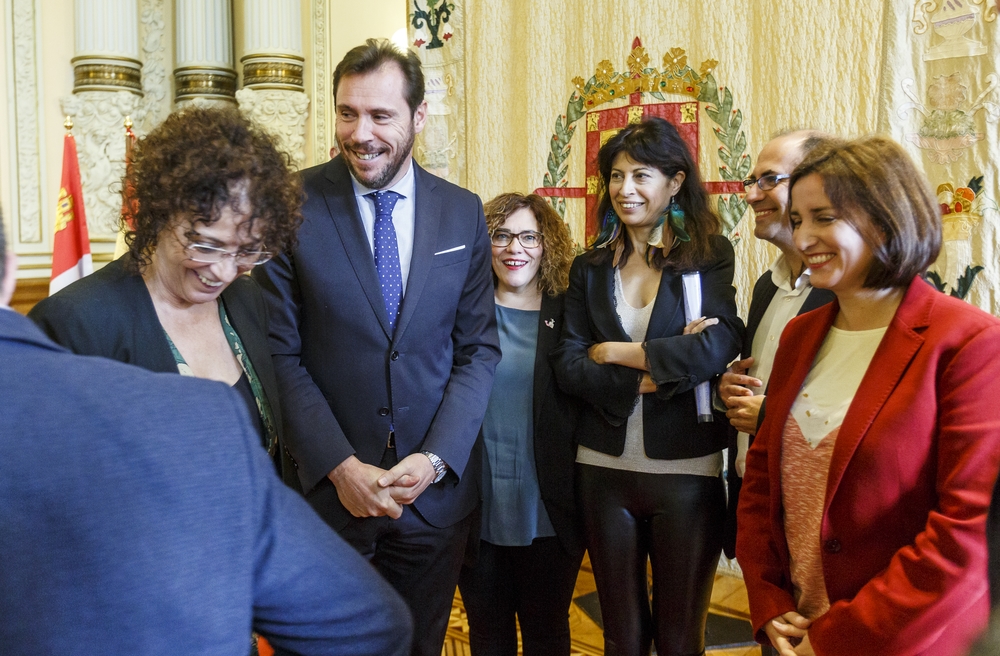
781 293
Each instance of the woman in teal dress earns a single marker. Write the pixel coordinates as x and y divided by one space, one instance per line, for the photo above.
530 547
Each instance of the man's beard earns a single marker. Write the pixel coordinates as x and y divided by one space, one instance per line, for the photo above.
379 179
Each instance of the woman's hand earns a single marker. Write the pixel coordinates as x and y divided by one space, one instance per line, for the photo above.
805 647
601 352
627 354
698 325
646 384
785 631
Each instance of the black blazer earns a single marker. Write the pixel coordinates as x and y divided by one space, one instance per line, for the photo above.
110 313
555 419
763 291
677 362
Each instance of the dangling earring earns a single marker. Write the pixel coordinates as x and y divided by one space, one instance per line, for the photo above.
677 220
611 235
611 227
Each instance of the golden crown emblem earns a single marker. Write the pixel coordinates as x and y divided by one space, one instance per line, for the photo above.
676 77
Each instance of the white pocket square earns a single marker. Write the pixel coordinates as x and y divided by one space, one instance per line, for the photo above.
450 250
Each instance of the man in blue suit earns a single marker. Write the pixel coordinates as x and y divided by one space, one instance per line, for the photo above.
384 340
139 515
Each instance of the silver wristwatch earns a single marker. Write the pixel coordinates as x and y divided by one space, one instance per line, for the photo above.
440 466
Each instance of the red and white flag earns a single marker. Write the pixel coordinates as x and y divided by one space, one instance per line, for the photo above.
71 246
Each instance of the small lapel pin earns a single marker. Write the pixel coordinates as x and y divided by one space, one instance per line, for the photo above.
551 323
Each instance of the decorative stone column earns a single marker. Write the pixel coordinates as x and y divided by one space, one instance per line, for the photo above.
107 88
203 71
272 93
107 46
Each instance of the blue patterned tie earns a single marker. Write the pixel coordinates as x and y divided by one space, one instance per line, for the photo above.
387 253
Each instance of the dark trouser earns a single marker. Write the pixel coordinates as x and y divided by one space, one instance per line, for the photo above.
420 561
535 583
677 521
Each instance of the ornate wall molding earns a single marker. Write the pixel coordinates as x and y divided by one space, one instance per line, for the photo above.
322 137
155 86
26 133
98 117
281 112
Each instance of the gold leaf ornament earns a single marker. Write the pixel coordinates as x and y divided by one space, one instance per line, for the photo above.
638 61
675 59
605 70
708 66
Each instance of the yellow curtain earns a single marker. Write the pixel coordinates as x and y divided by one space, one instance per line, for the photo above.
923 71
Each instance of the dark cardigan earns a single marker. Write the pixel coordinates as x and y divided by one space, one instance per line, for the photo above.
110 313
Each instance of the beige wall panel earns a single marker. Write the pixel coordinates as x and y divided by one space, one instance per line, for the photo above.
787 63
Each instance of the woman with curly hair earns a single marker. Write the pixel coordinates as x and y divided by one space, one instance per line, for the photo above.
635 349
212 197
531 547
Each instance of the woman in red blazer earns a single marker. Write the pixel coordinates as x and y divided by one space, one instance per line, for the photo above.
863 510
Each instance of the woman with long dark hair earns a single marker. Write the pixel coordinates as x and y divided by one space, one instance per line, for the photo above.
636 346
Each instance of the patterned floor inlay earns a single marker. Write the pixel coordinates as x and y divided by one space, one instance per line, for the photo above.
729 600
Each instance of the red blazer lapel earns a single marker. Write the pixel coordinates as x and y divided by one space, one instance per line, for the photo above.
799 344
900 344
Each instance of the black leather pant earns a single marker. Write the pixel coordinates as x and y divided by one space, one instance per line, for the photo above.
676 520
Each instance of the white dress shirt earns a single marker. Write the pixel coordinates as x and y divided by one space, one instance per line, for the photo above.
785 305
403 218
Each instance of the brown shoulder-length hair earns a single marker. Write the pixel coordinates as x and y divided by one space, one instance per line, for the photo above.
655 142
557 244
880 192
191 166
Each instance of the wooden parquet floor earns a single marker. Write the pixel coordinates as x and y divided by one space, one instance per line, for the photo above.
729 597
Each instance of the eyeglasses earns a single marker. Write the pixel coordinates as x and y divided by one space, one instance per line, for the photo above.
527 239
206 254
766 182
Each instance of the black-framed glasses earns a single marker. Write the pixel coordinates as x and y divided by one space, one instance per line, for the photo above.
527 239
765 182
206 254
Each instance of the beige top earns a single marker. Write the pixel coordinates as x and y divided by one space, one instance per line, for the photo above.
807 445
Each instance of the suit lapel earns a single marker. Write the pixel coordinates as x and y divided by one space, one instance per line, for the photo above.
668 303
426 223
764 292
899 345
605 315
340 202
549 328
254 339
